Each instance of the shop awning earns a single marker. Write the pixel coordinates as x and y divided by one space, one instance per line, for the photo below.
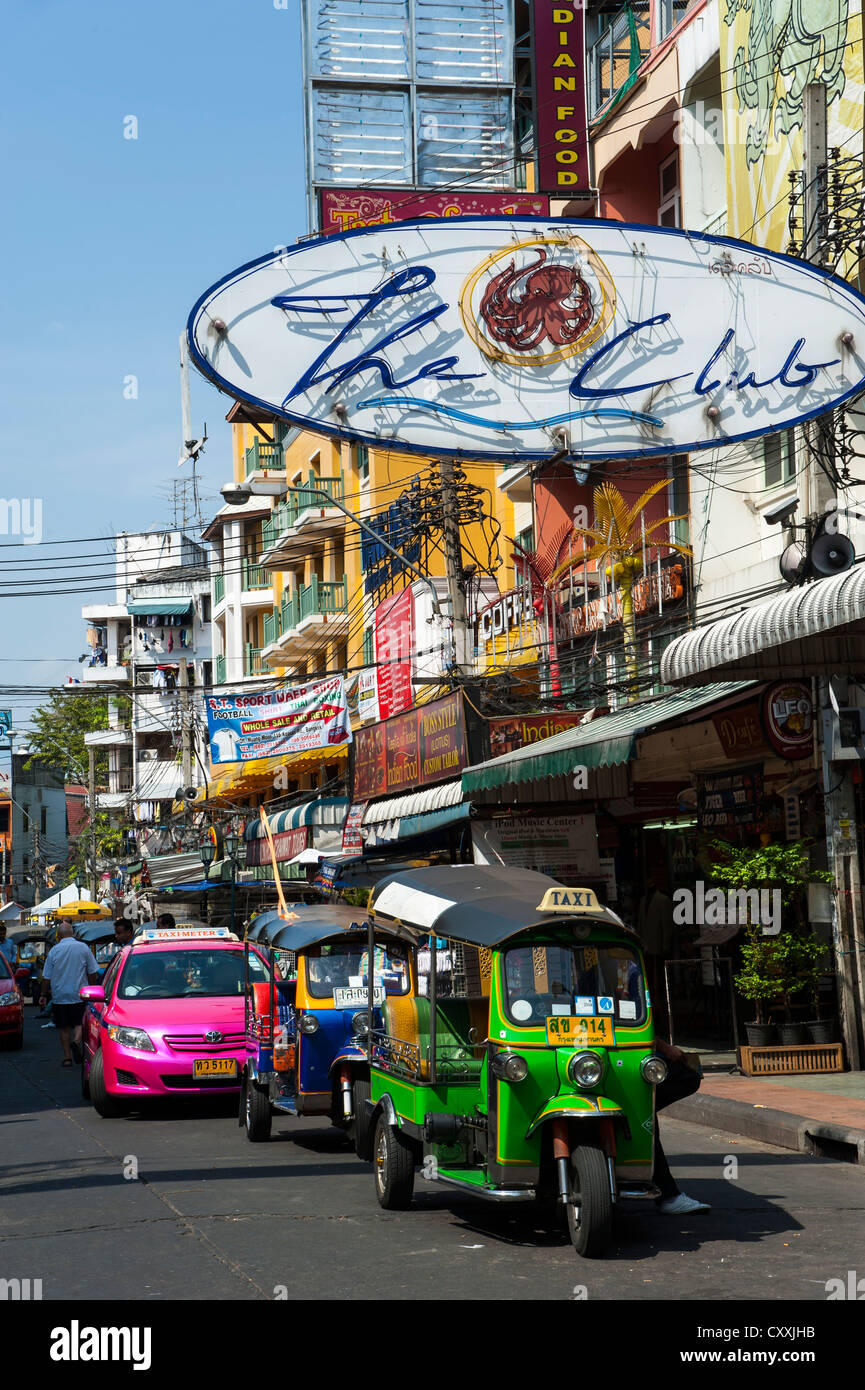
170 870
325 810
258 773
399 817
160 607
603 742
814 630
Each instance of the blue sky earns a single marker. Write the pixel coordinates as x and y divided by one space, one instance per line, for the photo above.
107 244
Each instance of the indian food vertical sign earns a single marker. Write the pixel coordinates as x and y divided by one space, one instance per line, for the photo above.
560 98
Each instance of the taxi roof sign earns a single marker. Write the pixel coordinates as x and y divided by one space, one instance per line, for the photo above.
184 934
562 900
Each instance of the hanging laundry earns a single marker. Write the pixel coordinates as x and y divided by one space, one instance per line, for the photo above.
171 642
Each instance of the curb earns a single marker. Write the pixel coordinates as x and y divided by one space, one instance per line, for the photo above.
819 1138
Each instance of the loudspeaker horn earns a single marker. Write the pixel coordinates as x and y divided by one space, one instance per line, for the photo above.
832 555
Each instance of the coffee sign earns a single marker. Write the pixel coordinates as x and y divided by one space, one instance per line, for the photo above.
520 338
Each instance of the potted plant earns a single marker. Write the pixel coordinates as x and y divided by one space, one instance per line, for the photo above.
779 966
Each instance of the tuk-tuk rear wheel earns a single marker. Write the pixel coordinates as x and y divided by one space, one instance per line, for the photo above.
393 1160
590 1216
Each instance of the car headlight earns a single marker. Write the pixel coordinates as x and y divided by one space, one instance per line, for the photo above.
360 1024
11 998
308 1023
131 1037
509 1066
585 1069
654 1070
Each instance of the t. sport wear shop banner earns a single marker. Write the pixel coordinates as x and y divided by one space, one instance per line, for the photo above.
277 723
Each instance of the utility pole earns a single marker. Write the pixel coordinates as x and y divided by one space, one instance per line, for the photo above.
91 798
817 493
37 865
454 563
185 722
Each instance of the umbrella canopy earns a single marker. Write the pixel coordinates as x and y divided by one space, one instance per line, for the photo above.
83 909
92 932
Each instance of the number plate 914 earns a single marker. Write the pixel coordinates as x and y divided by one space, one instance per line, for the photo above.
564 1031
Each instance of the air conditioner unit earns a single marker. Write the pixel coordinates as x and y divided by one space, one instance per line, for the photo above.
147 755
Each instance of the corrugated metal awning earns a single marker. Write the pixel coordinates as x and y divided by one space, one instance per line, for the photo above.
814 630
168 869
603 742
325 810
415 813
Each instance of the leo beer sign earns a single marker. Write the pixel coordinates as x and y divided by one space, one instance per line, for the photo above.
519 338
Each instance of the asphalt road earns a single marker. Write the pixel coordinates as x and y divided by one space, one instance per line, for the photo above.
210 1215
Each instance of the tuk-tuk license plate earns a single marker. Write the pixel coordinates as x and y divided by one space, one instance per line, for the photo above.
203 1067
358 998
564 1031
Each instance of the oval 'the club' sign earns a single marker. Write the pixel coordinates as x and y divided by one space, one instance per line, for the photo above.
520 338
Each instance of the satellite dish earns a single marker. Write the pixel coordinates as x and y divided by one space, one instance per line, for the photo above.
831 555
793 562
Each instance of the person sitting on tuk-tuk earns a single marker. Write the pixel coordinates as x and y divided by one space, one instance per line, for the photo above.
123 931
7 948
681 1081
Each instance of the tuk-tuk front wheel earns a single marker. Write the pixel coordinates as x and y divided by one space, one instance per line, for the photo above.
393 1161
590 1213
257 1115
362 1123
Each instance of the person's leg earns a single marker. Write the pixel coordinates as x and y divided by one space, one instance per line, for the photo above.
64 1043
680 1083
664 1180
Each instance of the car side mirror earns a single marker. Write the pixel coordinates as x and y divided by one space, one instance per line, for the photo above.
93 994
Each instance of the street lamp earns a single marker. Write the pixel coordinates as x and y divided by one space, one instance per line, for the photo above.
207 850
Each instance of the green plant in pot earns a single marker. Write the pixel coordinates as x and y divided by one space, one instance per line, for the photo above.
773 967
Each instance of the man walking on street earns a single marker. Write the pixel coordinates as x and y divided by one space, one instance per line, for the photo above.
68 967
7 948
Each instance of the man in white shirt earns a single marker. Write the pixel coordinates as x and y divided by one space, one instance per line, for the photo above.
68 967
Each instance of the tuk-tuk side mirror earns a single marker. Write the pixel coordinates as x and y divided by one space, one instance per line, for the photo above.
93 994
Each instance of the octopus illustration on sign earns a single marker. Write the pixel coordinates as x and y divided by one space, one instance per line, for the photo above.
518 338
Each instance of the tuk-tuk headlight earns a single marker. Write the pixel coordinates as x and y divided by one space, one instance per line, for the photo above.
509 1066
308 1024
585 1068
654 1070
360 1024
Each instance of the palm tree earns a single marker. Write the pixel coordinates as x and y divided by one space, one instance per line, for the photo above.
619 538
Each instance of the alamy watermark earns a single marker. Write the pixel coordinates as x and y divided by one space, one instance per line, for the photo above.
21 516
713 907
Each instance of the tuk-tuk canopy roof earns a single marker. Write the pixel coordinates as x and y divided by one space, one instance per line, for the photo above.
94 932
481 904
311 925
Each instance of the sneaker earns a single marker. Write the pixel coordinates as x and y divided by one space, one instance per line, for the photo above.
680 1205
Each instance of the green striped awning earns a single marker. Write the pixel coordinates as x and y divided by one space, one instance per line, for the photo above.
159 607
603 742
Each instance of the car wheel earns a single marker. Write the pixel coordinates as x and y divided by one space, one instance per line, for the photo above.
393 1167
104 1104
590 1215
257 1115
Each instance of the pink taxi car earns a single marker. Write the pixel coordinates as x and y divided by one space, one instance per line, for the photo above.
168 1019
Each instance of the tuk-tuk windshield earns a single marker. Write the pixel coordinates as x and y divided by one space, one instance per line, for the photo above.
31 950
542 981
343 965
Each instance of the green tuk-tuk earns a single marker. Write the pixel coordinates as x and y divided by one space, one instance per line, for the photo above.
528 1072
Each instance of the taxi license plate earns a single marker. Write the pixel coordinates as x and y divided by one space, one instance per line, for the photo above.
213 1066
563 1031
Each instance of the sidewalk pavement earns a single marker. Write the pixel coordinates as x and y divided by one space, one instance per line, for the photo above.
823 1115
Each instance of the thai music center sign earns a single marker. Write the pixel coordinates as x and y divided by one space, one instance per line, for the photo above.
423 746
343 209
270 723
559 42
650 592
518 338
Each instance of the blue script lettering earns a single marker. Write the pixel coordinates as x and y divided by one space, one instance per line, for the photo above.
578 386
807 371
404 282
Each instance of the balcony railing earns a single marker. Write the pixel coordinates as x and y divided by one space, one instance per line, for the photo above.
254 577
306 497
261 456
218 589
318 597
617 53
253 664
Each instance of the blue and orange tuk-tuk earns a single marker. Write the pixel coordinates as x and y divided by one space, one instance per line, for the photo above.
307 1036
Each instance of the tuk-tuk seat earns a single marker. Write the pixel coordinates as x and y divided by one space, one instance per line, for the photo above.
457 1057
283 1017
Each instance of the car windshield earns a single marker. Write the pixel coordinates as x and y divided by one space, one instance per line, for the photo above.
543 981
150 974
343 965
